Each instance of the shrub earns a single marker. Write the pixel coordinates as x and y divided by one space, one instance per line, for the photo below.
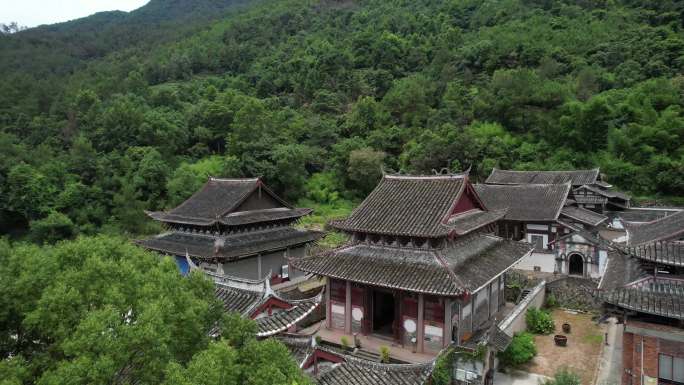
441 374
539 321
564 377
551 302
520 351
384 354
322 188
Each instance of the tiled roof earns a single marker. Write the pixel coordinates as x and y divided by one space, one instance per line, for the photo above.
245 296
607 193
644 214
664 253
256 216
590 199
393 267
236 218
526 202
491 335
621 269
282 320
237 300
474 219
216 201
667 228
582 215
355 371
300 346
576 177
464 267
231 246
664 299
216 198
486 257
407 205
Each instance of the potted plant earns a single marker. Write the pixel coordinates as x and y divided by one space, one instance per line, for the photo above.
384 354
560 340
345 343
566 328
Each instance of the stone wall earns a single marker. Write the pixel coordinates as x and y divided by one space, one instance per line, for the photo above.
575 293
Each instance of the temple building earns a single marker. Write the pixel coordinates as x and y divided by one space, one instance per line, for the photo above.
562 233
588 190
644 287
423 268
237 227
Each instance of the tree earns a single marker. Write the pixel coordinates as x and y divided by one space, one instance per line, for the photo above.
29 191
365 169
55 227
189 177
100 310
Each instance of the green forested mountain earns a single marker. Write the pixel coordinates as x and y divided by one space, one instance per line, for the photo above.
316 96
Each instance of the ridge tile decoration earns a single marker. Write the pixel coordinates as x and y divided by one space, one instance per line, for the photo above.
237 226
422 267
256 300
575 177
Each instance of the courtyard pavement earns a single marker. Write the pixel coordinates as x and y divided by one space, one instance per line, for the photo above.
519 378
610 364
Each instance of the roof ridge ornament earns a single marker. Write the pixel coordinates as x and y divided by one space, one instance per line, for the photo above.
191 265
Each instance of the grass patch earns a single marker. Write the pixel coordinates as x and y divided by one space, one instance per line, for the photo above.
594 339
324 212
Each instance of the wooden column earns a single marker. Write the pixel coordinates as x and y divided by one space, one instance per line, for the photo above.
328 305
420 332
347 309
448 327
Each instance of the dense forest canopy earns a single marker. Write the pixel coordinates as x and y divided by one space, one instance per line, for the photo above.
104 117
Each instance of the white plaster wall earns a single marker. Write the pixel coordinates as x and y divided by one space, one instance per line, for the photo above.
515 320
547 262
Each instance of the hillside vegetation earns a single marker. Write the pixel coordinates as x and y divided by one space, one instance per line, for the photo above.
318 96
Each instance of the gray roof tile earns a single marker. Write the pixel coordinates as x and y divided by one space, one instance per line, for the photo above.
576 177
407 205
231 246
582 215
464 267
670 227
527 202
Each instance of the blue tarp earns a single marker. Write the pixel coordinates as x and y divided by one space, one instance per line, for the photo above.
182 265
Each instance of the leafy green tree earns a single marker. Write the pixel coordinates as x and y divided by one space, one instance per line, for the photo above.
29 192
189 177
101 310
55 227
365 169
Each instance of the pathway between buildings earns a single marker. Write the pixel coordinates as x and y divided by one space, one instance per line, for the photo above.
519 378
610 365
